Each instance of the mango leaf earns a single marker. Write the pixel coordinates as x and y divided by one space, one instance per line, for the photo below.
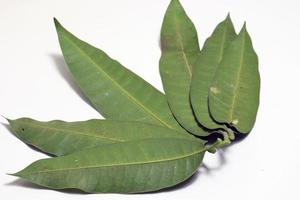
234 94
61 138
205 69
126 167
116 92
180 49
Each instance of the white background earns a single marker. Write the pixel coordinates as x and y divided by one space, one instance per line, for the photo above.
35 82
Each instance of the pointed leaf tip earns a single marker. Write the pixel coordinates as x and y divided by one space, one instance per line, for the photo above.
228 20
55 21
13 174
4 117
228 16
175 4
58 25
244 28
244 32
7 119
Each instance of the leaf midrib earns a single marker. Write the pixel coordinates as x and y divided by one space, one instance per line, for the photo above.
122 164
182 50
73 132
222 44
235 94
119 86
220 55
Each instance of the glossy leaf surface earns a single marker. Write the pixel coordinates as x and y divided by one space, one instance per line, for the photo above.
205 70
180 49
128 167
116 92
234 94
60 138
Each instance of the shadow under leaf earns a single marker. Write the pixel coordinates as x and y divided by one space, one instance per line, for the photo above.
182 185
7 126
26 184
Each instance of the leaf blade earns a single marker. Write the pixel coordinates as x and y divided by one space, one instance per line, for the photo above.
129 167
234 95
102 80
205 70
180 49
60 138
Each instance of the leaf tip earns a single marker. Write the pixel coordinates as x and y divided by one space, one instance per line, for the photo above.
244 28
57 24
5 118
17 174
228 16
243 32
175 3
228 20
14 174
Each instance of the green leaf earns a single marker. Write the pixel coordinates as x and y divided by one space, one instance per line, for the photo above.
127 167
116 92
205 70
234 94
180 49
61 138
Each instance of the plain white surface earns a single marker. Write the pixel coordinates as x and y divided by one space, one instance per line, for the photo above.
35 82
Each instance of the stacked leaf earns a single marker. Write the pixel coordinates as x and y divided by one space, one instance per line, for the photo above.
180 50
129 167
67 137
205 70
234 93
148 140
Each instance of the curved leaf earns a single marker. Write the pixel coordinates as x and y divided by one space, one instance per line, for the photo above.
180 49
234 94
128 167
205 68
116 92
61 138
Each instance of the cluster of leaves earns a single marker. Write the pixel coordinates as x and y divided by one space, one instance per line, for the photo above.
148 140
